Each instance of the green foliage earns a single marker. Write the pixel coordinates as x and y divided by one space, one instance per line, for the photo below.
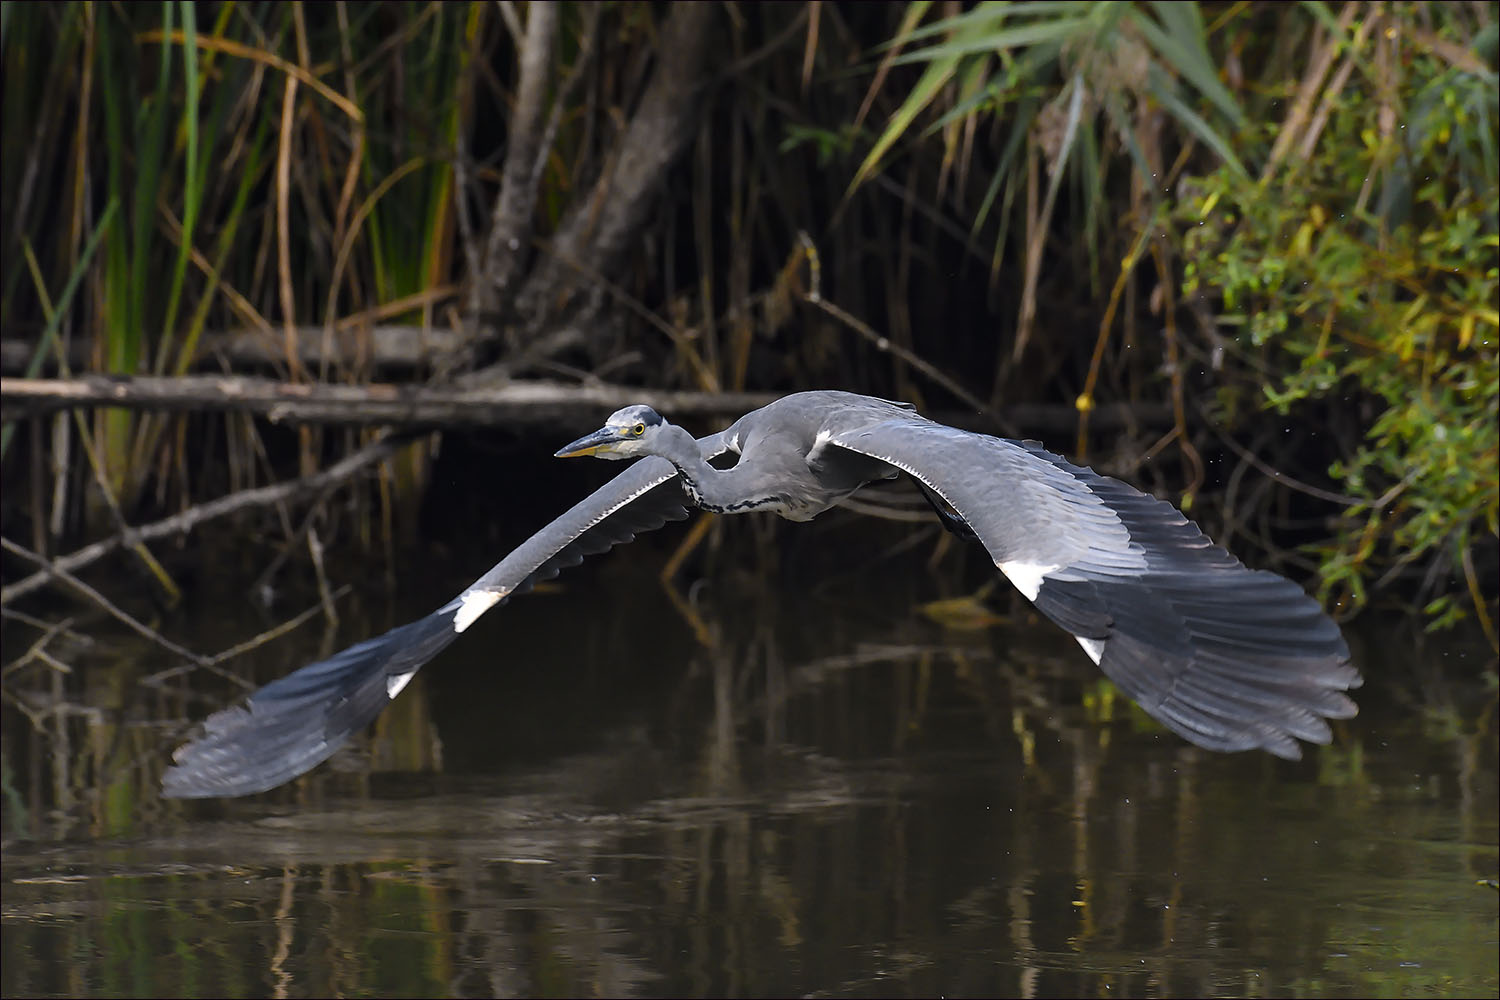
1366 276
1337 189
1063 79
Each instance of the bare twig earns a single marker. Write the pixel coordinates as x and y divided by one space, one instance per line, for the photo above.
58 665
52 569
241 648
559 339
201 513
885 344
1280 477
45 625
793 27
1318 65
1169 331
37 651
315 549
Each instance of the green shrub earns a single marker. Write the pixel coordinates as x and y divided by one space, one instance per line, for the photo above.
1366 274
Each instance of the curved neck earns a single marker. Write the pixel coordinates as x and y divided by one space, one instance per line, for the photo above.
712 489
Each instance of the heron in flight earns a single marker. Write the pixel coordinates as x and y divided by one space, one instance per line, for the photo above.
1227 657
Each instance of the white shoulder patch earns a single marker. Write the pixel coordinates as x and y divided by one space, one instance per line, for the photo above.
1026 576
395 683
820 441
1093 647
473 604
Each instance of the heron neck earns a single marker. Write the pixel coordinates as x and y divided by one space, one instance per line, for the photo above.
712 489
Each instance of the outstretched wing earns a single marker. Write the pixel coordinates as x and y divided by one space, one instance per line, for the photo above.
293 724
1228 657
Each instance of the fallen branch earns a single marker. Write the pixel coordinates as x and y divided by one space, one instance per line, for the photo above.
204 512
384 403
515 403
429 407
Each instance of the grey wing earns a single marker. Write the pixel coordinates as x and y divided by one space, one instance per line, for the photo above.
293 724
1228 657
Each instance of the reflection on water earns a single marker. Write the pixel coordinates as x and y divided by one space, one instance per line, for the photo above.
835 796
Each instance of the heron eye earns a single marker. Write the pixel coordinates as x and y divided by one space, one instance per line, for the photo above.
638 430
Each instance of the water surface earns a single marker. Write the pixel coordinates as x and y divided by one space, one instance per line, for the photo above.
787 779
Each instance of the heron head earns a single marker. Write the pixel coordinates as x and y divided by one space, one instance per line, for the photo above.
626 434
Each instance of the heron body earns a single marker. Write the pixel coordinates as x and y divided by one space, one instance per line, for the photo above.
1227 657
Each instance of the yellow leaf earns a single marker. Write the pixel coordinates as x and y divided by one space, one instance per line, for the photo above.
1302 242
963 613
1414 310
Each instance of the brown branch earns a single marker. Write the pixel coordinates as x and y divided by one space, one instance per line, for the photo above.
588 45
1320 60
395 405
1261 466
75 638
510 229
600 229
157 679
51 569
38 650
885 345
202 513
482 406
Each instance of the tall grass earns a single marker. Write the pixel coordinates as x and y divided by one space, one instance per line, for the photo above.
177 125
1028 201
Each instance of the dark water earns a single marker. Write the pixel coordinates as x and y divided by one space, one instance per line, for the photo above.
806 785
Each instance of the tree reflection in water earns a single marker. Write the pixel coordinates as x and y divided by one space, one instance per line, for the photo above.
835 795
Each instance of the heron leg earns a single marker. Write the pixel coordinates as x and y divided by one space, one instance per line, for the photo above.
950 517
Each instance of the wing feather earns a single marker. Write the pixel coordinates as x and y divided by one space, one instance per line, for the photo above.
1228 657
295 723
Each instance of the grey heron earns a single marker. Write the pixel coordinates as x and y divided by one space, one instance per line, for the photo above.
1227 657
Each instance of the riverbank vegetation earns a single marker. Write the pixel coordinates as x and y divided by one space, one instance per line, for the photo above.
1244 255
